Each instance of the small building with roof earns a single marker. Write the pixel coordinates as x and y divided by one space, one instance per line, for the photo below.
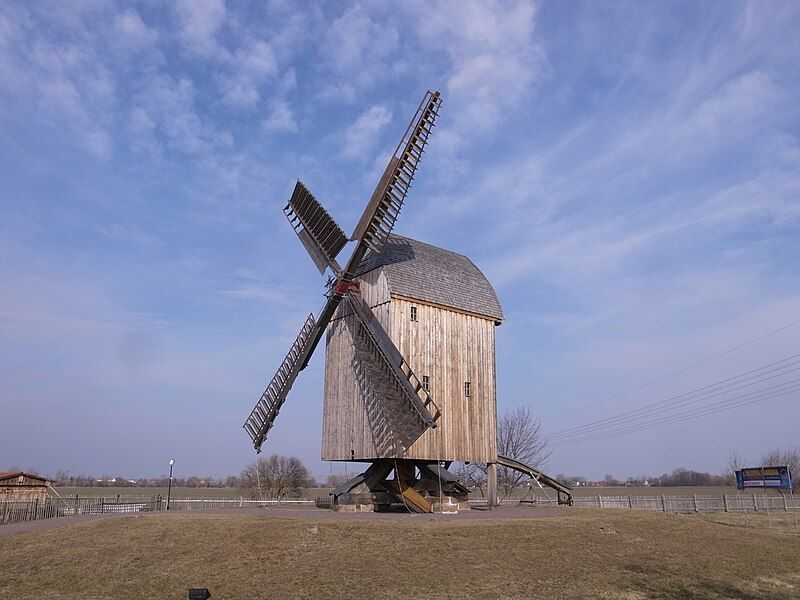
440 311
16 486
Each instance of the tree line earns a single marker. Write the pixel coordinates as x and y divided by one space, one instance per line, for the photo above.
64 479
774 457
519 436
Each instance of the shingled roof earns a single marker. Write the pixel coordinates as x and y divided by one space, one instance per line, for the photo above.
430 274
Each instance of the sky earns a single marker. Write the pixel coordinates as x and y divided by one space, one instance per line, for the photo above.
627 175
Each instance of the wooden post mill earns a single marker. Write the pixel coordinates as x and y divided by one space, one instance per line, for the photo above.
410 352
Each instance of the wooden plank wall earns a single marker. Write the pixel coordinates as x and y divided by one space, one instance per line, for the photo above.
449 347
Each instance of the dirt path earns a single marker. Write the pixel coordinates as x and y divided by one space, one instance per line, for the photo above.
311 514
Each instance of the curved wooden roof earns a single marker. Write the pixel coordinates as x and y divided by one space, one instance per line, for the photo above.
423 272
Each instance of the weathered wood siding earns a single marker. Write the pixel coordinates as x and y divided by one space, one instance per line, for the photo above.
449 347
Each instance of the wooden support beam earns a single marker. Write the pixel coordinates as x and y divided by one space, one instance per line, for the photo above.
414 501
491 473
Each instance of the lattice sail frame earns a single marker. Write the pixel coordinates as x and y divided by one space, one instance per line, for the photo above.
398 408
384 206
324 239
319 233
269 405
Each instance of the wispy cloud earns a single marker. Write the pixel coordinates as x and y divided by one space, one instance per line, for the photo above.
628 178
280 118
362 136
200 21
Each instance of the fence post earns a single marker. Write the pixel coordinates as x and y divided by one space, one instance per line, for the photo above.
694 497
755 502
600 500
769 516
663 503
630 501
725 502
785 505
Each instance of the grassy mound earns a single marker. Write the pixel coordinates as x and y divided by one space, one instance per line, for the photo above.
587 553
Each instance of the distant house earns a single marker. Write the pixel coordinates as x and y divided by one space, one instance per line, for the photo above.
19 486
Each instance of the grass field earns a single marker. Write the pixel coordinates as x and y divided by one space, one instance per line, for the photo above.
584 553
187 493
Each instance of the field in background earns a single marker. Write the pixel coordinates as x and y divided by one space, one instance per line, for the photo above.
312 493
188 493
585 553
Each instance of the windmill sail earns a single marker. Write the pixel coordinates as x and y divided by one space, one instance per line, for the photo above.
266 410
384 206
398 408
407 411
319 233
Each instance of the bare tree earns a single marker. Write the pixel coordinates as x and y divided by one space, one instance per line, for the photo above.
335 480
735 463
778 457
275 477
472 475
519 436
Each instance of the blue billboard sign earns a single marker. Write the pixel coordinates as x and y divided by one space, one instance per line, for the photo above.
764 477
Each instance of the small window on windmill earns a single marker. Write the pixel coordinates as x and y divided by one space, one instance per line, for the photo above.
467 388
426 383
413 313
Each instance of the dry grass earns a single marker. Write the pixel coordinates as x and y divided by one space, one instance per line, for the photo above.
779 521
587 553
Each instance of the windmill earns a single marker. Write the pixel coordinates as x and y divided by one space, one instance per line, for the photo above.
409 367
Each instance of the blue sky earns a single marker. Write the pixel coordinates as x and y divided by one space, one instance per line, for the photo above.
627 175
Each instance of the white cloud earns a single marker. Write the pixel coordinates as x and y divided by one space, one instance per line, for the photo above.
129 27
99 143
248 68
260 293
362 135
61 82
200 22
280 119
338 92
494 58
360 48
170 105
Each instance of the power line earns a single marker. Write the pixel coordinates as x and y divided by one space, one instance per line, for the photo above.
665 418
696 413
754 377
672 374
683 399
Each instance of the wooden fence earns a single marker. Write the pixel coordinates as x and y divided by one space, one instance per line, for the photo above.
20 511
695 503
16 512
